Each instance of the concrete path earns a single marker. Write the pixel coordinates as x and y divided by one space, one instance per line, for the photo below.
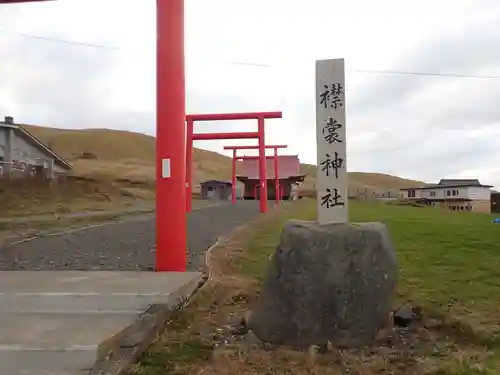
62 322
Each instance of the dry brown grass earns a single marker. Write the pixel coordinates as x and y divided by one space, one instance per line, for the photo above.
201 340
23 198
122 165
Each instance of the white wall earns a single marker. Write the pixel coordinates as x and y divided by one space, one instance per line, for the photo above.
462 192
2 142
418 194
25 152
469 192
479 193
2 137
432 193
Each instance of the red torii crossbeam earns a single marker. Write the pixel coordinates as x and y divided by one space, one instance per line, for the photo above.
20 1
276 166
170 135
259 135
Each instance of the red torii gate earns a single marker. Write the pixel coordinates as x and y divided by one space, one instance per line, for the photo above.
259 135
170 135
276 166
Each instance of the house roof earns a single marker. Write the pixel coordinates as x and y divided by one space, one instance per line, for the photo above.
450 183
225 182
18 127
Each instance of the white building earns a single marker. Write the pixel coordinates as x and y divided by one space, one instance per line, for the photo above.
22 154
460 195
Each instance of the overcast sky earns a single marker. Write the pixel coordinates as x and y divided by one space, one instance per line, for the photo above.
415 126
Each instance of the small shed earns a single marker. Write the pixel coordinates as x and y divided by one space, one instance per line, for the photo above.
216 189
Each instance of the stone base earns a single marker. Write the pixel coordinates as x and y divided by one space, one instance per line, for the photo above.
327 284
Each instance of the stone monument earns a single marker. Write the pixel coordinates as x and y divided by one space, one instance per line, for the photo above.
329 281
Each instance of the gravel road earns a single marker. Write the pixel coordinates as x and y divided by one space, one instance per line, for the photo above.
126 245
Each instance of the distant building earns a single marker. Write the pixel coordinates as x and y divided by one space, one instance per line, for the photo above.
288 174
459 195
215 189
23 155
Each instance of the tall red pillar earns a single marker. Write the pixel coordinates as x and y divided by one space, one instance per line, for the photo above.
276 178
189 163
233 179
170 138
262 165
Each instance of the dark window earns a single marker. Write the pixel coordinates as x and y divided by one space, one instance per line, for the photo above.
432 193
411 193
210 188
448 193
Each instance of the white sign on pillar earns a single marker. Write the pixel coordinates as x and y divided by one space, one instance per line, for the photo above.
331 177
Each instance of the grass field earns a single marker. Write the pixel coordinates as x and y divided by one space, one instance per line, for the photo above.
449 266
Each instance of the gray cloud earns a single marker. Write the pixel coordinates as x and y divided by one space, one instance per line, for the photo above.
467 50
426 135
57 84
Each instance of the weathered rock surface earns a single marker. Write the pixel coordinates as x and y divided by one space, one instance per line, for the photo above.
327 284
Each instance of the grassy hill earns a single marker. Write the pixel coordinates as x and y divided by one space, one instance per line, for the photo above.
121 164
127 155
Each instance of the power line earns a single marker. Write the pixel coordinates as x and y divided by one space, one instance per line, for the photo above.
394 72
55 40
249 64
452 75
263 65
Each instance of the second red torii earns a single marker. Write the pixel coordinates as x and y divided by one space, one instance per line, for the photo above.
276 166
259 135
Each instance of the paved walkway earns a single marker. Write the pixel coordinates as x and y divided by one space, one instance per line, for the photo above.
60 323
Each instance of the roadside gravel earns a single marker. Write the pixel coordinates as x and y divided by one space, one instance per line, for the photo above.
128 245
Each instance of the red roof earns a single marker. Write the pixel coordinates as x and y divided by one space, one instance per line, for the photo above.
288 166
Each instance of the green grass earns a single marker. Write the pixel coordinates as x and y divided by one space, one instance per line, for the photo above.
449 261
449 265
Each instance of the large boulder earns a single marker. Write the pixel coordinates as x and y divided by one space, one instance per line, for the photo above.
327 284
